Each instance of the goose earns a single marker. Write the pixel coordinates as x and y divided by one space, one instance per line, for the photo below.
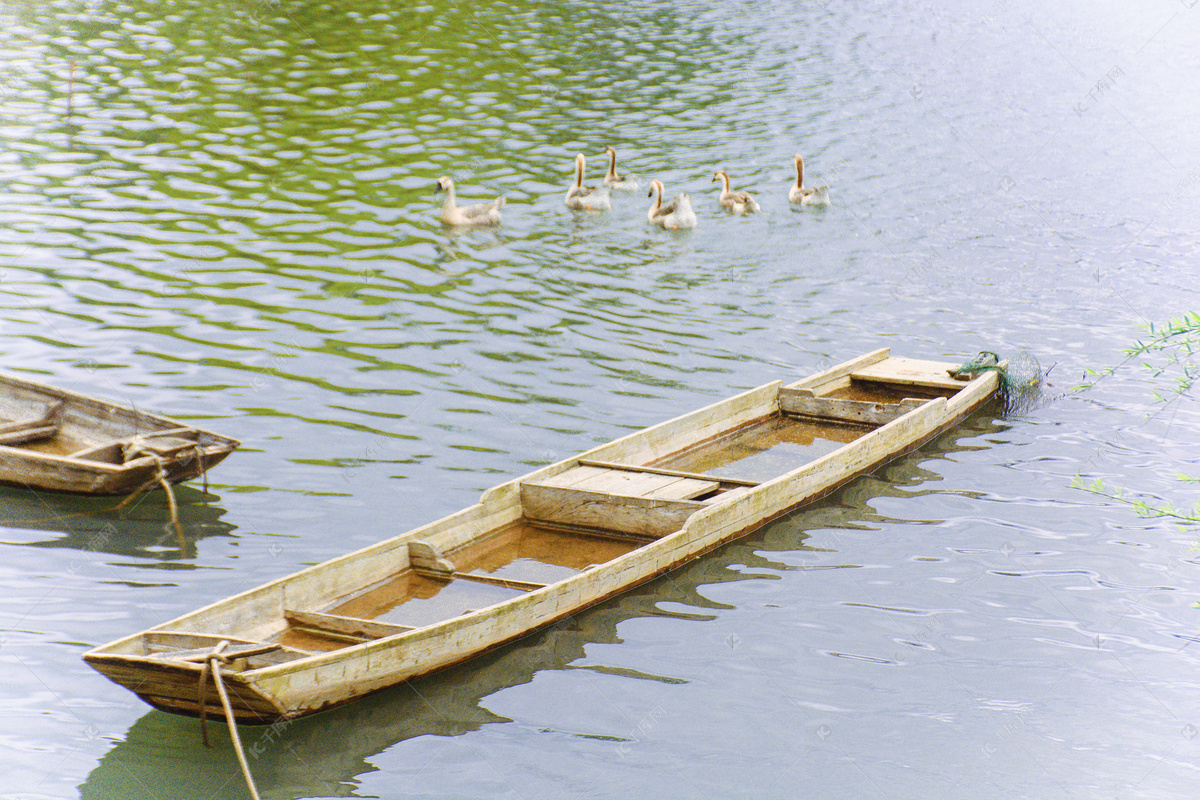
737 202
585 198
675 214
626 183
803 195
478 214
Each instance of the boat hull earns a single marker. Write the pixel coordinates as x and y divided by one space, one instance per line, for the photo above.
82 453
302 682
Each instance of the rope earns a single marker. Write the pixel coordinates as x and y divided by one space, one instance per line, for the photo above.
137 448
213 663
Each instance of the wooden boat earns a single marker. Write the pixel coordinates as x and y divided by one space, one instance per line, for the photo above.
543 546
55 440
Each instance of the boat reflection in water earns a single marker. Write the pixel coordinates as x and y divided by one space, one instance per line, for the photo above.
91 525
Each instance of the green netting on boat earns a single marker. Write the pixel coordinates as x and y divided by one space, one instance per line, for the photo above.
1021 376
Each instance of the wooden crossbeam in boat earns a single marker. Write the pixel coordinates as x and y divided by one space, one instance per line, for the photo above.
643 516
804 403
507 583
339 626
583 462
45 426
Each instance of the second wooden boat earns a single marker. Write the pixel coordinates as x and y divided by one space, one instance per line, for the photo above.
541 547
55 440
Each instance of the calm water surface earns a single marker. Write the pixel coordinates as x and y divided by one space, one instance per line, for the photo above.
227 216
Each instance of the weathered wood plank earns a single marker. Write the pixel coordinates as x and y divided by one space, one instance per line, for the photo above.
660 441
638 515
910 372
200 655
684 489
858 411
168 641
83 423
698 476
635 484
573 476
27 434
363 629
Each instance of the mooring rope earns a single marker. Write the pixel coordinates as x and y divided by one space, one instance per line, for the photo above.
212 663
137 448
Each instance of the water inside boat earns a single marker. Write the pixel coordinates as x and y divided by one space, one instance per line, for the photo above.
765 450
499 566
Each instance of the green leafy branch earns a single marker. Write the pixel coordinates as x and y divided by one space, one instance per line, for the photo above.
1167 510
1177 342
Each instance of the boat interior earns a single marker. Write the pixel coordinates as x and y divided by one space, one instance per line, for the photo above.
590 512
40 422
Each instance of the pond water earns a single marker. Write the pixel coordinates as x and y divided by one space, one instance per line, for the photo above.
224 212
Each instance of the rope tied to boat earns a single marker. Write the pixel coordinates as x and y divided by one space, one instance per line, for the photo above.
1021 376
212 664
137 447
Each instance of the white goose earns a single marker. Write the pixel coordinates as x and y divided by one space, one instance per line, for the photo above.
801 194
622 183
585 198
737 202
478 214
675 214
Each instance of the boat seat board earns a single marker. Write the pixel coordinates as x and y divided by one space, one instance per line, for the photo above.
910 372
641 515
632 483
19 432
805 403
20 436
362 629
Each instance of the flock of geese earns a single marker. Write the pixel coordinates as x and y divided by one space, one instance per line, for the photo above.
675 215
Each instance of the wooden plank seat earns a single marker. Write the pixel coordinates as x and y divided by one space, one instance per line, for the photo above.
643 501
909 372
804 402
45 426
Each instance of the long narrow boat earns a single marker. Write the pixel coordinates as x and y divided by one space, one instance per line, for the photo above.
543 546
56 440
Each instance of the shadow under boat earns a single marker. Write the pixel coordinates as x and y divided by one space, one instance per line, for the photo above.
162 757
